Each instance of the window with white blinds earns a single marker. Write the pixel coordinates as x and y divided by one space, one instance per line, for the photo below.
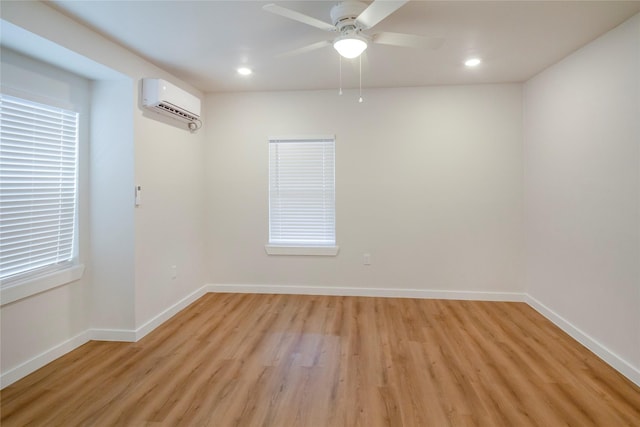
38 181
302 192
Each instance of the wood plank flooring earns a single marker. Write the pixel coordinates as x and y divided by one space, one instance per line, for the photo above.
290 360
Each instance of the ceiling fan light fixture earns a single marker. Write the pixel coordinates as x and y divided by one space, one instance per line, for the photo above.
350 46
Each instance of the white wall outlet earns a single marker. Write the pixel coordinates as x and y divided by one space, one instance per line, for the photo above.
174 271
366 259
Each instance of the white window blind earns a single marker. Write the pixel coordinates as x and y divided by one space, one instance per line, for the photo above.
38 179
302 192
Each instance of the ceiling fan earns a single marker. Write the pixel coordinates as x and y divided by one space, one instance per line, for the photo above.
350 19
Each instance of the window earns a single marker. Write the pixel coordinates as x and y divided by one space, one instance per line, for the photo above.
38 181
302 196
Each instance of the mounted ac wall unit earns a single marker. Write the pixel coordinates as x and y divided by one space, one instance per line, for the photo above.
163 97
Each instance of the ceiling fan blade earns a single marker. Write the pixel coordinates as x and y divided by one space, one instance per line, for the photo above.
408 40
304 49
377 11
297 16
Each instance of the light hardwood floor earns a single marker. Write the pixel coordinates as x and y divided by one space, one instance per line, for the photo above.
287 360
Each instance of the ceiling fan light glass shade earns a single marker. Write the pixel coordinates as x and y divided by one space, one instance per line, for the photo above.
350 46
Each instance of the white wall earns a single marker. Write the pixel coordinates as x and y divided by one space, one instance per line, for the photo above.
111 167
170 222
582 186
128 285
61 313
429 182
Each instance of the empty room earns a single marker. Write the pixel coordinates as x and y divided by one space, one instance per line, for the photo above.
320 213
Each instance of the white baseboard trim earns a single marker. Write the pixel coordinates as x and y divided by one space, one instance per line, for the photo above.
130 335
601 351
31 365
615 361
368 292
167 314
124 335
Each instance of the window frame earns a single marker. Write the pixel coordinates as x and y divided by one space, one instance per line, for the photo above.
301 248
42 278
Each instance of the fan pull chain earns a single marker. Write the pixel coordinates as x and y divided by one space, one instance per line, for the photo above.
360 100
340 91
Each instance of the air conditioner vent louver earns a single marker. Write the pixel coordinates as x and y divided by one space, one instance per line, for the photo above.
163 97
178 112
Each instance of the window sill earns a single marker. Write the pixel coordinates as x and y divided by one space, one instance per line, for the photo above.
32 286
302 250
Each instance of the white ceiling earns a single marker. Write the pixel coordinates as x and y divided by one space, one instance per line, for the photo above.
203 42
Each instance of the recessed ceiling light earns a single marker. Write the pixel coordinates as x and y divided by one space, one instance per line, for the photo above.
472 62
244 71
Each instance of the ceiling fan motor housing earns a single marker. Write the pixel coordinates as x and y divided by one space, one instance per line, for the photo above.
344 14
